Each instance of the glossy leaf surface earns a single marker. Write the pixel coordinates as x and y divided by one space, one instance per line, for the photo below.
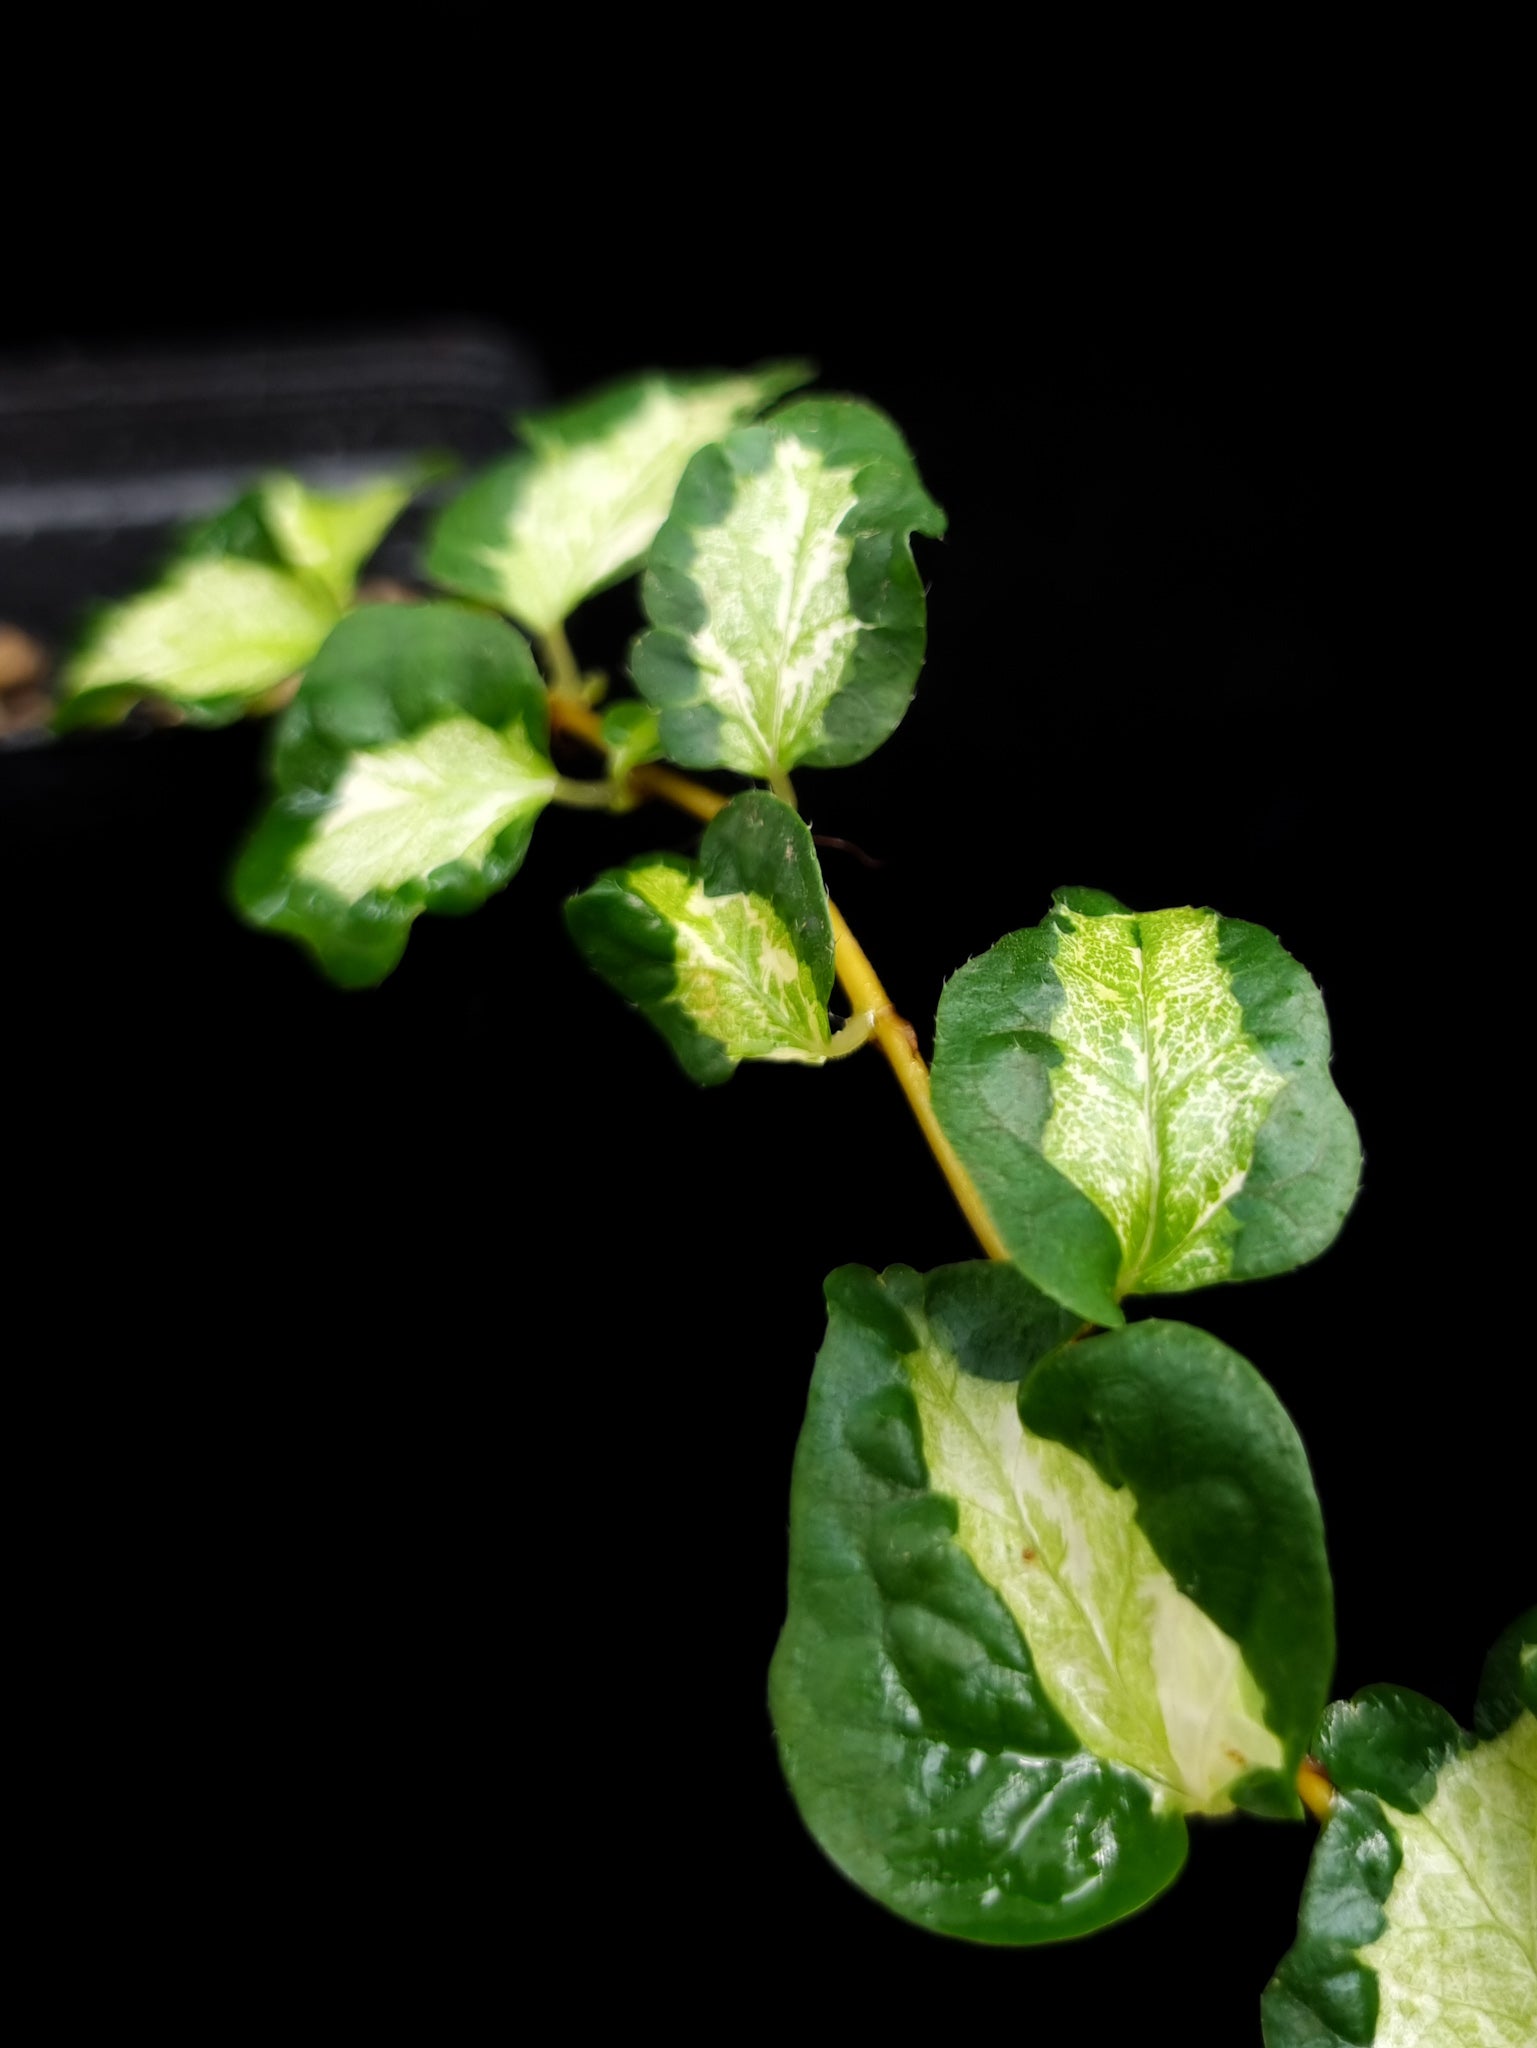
410 770
1418 1924
730 956
787 614
1045 1600
245 602
580 506
1145 1101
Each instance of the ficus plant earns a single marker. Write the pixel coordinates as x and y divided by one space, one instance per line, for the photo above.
1057 1580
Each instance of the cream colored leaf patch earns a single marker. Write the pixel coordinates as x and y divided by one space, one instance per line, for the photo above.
541 532
1159 1092
398 812
1137 1669
1457 1963
737 974
787 615
780 629
217 627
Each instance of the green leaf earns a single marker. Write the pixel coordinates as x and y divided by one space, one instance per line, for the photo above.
543 530
246 600
1019 1652
786 610
1225 1499
239 529
731 957
1145 1102
332 534
632 737
1418 1923
410 770
1509 1683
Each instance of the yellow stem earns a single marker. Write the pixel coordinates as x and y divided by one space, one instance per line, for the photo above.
899 1042
578 719
1315 1789
861 984
678 790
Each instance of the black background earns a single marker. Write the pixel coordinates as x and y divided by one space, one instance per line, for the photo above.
422 1369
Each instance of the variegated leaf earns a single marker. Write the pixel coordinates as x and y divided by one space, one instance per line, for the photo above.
731 957
1046 1599
787 615
1144 1101
246 602
410 770
213 635
1418 1926
543 530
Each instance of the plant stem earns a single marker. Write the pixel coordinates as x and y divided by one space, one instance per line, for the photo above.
680 791
861 984
1315 1789
585 796
560 665
898 1041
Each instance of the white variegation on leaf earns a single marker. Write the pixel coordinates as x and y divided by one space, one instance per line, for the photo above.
738 976
544 530
1160 1093
1456 1965
217 627
787 615
780 629
226 623
401 811
1135 1667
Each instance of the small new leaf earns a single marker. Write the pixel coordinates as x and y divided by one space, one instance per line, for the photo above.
1145 1102
1046 1599
332 533
730 956
576 511
787 615
410 770
1418 1923
632 738
245 602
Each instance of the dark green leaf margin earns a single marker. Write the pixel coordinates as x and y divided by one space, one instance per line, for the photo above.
756 846
885 590
917 1738
1384 1748
384 674
992 1085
